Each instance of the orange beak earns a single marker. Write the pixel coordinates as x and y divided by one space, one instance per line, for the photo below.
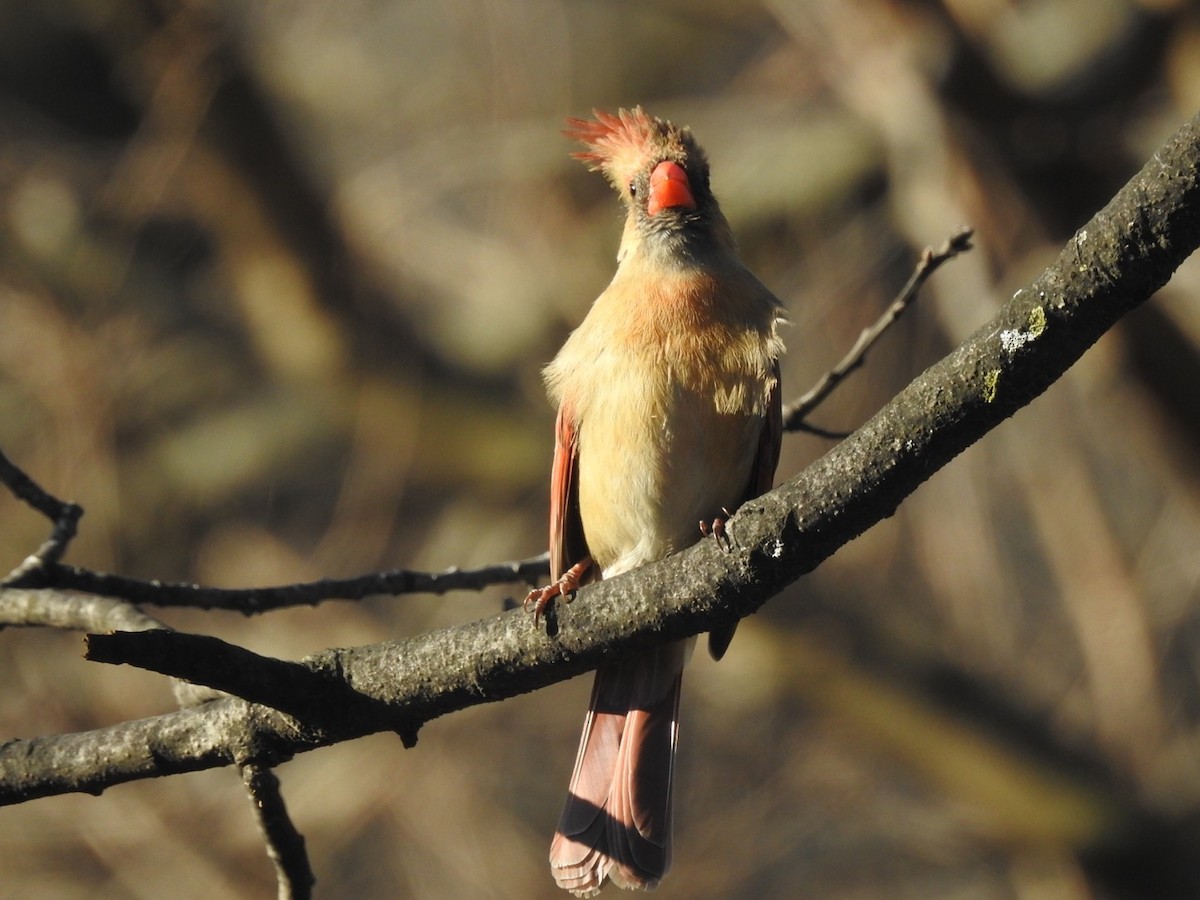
669 189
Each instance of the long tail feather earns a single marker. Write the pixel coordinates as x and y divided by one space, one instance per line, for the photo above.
617 819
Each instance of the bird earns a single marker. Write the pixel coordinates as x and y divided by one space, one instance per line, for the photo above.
669 416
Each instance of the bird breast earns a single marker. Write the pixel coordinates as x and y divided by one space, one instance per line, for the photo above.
669 386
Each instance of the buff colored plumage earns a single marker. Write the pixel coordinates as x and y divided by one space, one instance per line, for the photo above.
669 413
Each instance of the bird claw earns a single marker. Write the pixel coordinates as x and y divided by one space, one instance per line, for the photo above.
720 533
566 586
540 598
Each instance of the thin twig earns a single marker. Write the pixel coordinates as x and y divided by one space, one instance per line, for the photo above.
24 607
258 600
65 517
42 569
285 845
795 413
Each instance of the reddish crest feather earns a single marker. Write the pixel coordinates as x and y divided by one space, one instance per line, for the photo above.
619 145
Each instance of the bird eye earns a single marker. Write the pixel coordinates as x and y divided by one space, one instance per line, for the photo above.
633 189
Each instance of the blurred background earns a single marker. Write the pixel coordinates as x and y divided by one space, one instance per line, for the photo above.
276 283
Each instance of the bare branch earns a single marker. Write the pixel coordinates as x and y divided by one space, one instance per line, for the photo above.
930 260
208 736
52 608
258 600
313 691
285 845
43 570
65 517
77 612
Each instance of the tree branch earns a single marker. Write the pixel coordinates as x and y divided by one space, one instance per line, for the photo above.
285 845
931 260
65 517
55 609
251 601
1113 264
315 692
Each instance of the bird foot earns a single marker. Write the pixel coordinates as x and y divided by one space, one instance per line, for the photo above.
566 586
720 533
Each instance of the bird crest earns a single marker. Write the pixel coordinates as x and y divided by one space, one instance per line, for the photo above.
622 145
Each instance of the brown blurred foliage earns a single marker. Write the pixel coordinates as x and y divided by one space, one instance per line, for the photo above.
276 281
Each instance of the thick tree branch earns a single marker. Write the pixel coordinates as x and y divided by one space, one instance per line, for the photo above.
313 693
1113 264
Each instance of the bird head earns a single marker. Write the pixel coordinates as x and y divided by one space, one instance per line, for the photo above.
657 169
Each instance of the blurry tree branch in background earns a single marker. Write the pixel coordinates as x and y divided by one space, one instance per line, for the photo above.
1113 264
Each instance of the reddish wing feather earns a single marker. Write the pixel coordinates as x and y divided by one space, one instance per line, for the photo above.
567 543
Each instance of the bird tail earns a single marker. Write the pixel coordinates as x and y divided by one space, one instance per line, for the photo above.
617 819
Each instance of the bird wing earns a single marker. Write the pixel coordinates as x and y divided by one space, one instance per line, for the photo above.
762 479
567 542
762 475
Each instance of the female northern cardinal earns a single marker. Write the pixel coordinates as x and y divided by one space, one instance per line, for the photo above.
668 414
